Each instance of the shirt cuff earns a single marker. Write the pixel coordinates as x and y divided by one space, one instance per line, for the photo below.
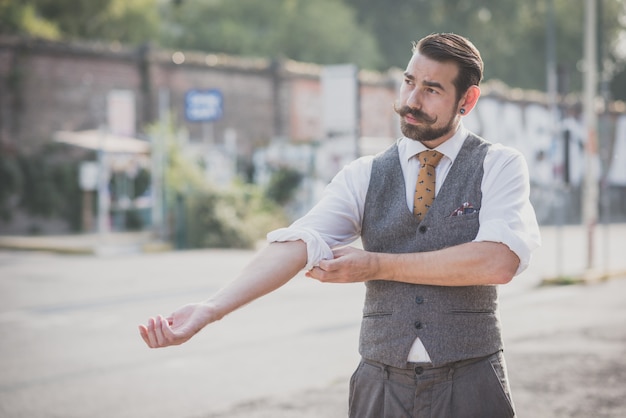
316 248
521 244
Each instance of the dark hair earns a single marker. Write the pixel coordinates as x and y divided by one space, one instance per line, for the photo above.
446 47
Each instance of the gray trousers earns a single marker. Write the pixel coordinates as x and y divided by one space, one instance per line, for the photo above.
475 388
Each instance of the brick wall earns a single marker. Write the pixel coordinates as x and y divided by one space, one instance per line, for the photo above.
49 86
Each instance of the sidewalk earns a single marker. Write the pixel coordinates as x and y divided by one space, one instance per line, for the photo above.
564 253
562 258
113 243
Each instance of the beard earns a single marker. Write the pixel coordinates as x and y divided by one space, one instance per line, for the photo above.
422 133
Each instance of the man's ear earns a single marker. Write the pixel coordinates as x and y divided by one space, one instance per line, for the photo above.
469 100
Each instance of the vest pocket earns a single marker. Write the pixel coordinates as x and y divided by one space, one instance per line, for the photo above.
376 314
471 312
461 218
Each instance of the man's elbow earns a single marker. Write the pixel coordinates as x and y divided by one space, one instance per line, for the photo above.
500 263
501 277
503 268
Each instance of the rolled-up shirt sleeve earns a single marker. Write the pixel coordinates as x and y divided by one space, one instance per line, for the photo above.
316 247
506 214
336 219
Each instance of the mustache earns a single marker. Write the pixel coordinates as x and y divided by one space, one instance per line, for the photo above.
416 113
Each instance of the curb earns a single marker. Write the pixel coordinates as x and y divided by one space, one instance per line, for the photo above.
17 246
585 278
83 245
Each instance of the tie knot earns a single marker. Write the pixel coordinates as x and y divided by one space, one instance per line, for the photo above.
429 157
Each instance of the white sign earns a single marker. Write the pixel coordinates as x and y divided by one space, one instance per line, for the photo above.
121 112
88 176
340 100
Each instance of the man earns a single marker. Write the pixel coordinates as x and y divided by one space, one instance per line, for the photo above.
430 335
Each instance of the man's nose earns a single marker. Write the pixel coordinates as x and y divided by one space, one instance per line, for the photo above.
414 99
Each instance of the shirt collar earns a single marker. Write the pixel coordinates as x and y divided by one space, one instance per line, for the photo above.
450 149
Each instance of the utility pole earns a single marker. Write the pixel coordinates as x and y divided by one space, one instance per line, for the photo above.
555 130
590 185
159 157
551 73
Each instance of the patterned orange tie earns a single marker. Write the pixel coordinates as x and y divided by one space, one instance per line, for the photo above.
425 186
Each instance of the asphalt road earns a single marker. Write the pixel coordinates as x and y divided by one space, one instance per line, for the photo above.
69 343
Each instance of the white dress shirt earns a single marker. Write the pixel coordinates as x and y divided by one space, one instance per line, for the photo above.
505 216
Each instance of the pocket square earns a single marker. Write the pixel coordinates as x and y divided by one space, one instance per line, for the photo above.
465 209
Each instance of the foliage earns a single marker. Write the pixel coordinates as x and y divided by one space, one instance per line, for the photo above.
236 217
618 85
131 21
141 183
21 18
233 218
283 184
290 28
510 34
44 184
10 183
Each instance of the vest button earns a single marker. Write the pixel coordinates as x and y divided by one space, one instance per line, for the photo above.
418 325
422 229
419 370
419 300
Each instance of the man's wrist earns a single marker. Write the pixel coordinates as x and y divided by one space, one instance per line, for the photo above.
213 311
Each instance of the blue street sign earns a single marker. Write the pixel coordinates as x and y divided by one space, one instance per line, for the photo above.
204 105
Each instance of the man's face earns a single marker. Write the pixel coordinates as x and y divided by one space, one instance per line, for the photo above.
428 105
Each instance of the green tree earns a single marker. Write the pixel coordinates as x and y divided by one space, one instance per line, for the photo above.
322 31
510 34
128 21
22 19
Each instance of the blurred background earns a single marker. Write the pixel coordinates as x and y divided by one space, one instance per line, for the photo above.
209 123
129 128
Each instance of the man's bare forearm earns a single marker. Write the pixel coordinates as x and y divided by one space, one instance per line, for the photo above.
469 264
475 263
271 268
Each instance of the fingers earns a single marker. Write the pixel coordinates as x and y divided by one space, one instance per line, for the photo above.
143 331
158 332
348 266
152 340
332 265
167 335
321 274
328 265
179 327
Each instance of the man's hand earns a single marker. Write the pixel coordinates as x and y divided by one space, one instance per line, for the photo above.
272 267
468 264
183 324
350 265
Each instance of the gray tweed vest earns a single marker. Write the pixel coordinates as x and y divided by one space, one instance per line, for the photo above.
453 323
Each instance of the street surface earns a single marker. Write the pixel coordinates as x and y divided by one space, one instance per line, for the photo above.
69 343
